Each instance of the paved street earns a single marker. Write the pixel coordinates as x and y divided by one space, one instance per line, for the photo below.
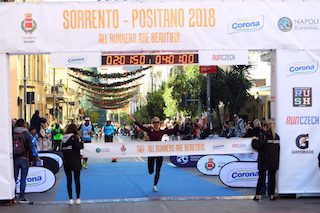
192 206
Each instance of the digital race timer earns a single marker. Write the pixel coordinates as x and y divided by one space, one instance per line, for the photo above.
142 59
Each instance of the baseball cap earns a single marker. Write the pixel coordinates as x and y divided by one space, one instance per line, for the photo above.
87 119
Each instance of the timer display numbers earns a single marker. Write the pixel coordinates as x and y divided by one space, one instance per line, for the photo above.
142 59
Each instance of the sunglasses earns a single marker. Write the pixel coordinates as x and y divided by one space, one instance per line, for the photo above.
155 122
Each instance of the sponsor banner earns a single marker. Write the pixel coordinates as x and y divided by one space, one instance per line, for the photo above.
223 57
80 59
239 174
163 26
211 164
169 148
39 179
185 160
247 156
52 155
297 85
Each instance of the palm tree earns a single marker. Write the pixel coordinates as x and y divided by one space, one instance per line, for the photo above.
230 88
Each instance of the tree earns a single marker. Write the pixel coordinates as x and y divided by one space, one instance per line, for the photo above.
230 88
154 107
184 82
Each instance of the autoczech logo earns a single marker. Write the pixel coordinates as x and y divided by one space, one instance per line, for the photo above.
302 68
285 24
302 142
246 24
302 96
28 25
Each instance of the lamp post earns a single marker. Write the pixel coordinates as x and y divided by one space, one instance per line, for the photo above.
24 88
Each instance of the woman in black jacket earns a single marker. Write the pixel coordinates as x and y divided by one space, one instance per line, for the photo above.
71 146
268 148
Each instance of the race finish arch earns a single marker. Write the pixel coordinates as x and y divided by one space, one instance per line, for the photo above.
291 28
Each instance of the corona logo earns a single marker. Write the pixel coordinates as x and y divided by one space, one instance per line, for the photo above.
28 25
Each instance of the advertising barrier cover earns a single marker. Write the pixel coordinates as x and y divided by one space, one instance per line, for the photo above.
52 155
39 179
211 164
185 160
239 174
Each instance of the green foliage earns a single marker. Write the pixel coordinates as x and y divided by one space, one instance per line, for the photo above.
184 81
94 115
170 109
154 107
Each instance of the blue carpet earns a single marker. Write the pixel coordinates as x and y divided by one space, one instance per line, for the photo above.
131 180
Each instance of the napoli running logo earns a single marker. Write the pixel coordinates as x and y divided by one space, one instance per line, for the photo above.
28 25
285 24
302 141
183 159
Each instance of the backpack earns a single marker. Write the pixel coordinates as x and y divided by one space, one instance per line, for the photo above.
18 144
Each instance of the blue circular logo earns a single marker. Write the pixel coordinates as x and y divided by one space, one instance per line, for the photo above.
98 150
285 24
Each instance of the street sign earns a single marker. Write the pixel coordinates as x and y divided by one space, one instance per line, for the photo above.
30 97
208 69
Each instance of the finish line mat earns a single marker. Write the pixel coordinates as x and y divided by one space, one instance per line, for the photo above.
131 180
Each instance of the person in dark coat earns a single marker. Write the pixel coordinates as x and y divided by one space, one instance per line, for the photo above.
71 146
155 134
268 147
36 121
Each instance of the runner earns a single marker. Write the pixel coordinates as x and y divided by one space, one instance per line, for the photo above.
155 134
86 132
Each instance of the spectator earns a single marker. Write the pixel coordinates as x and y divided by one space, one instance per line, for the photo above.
34 139
36 121
70 148
239 126
22 156
268 147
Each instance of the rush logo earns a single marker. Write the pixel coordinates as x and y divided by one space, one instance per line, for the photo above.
302 96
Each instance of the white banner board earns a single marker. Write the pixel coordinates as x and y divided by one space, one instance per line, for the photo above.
80 59
116 26
168 148
239 174
54 156
298 120
211 164
39 179
223 57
